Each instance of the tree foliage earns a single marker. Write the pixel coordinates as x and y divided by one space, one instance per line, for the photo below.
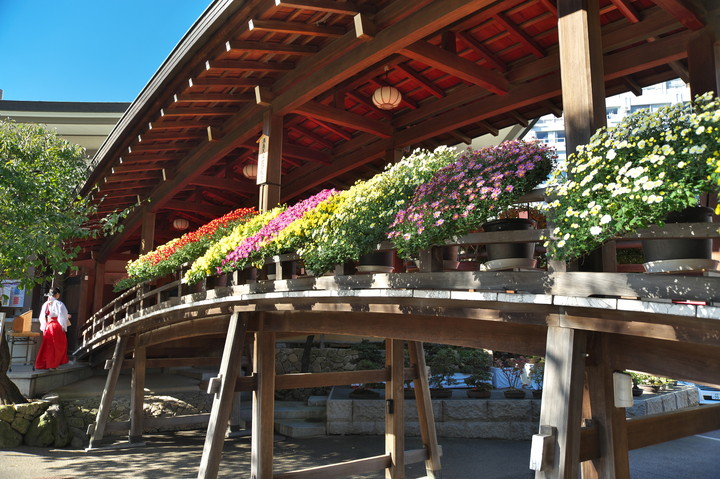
40 209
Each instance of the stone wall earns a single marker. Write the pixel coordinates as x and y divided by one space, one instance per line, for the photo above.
39 424
325 360
495 418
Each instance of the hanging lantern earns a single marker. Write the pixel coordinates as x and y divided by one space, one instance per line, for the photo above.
250 171
387 97
180 224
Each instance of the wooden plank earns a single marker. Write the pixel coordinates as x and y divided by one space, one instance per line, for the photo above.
425 83
263 422
626 8
147 234
247 65
426 418
520 35
306 154
344 8
457 66
240 186
609 420
343 469
562 399
174 362
345 118
681 12
223 401
108 394
188 329
277 26
137 395
269 47
395 409
484 52
581 70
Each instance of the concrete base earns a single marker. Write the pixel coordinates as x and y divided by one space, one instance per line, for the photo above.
33 384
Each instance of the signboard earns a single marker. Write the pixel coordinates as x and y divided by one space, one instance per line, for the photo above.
12 295
262 159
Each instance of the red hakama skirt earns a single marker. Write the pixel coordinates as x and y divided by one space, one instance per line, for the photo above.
53 349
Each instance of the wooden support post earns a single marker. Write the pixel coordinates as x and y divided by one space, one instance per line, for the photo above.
703 67
270 161
99 287
223 387
599 407
137 397
263 414
236 421
581 70
108 393
562 399
147 235
395 409
426 417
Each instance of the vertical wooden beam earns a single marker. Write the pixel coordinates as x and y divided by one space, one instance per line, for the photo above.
99 287
395 409
581 70
562 399
426 417
137 395
270 167
223 387
263 414
108 393
147 235
703 52
393 155
599 407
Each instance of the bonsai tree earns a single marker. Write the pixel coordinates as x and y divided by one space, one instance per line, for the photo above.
478 363
40 174
537 374
512 369
443 363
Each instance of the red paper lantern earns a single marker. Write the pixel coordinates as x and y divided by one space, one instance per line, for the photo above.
250 171
387 97
181 224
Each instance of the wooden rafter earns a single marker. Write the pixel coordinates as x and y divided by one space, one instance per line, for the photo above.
305 153
424 83
213 97
627 10
363 100
205 111
276 26
269 47
174 125
342 133
203 209
311 135
516 32
146 148
550 6
247 65
331 6
154 135
519 118
681 12
632 85
483 51
224 184
450 63
344 118
489 128
229 81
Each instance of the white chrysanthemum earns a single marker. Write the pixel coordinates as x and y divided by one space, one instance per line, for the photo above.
595 230
605 219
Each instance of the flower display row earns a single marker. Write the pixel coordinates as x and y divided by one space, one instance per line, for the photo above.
168 257
631 176
625 178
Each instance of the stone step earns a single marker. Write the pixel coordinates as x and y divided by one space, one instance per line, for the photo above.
317 401
285 411
300 428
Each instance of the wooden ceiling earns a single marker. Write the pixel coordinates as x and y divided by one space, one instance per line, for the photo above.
466 68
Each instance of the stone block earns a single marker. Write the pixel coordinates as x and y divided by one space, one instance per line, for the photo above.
20 424
638 409
49 429
9 437
535 406
669 403
509 410
366 427
681 398
32 409
7 413
471 409
654 406
339 410
76 422
522 430
368 410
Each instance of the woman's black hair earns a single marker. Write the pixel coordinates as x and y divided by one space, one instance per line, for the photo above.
53 291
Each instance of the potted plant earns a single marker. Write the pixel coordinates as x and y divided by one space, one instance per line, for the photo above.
512 369
360 221
443 365
633 175
649 383
537 377
477 363
469 192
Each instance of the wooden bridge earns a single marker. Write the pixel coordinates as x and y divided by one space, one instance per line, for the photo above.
586 324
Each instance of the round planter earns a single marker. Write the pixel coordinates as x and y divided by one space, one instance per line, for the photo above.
649 388
375 262
514 394
477 394
509 250
636 391
683 248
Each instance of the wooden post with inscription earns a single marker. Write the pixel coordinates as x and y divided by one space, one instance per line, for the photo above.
270 161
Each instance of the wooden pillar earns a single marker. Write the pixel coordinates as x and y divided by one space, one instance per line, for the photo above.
263 414
426 418
108 393
137 397
703 66
98 296
395 409
223 387
270 161
581 70
393 155
147 234
599 408
561 409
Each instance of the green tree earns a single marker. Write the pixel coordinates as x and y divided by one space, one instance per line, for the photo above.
42 213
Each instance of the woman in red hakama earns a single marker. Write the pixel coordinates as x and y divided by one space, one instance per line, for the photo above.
54 321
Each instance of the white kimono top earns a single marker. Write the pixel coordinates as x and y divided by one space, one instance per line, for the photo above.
55 309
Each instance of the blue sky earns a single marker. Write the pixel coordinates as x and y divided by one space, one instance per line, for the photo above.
83 50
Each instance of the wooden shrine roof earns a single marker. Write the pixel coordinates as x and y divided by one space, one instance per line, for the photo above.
466 68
